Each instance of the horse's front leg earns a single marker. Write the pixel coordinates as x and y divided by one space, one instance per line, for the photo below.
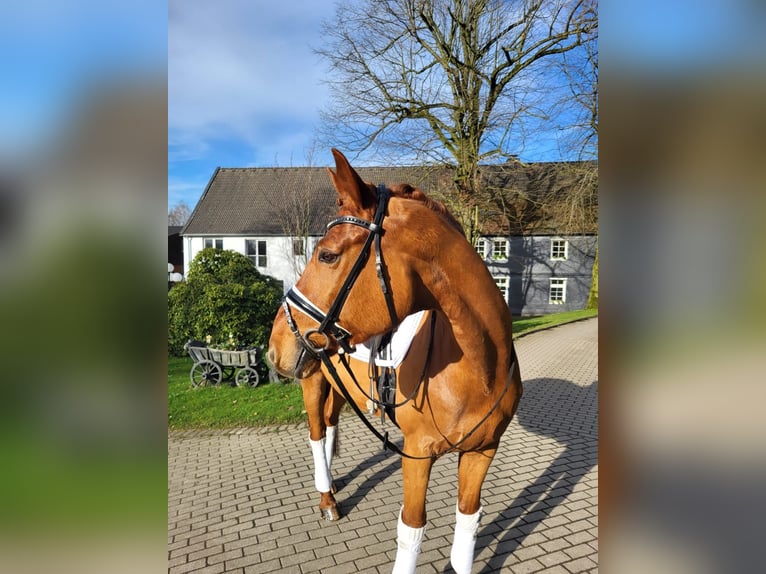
472 470
333 402
315 391
412 517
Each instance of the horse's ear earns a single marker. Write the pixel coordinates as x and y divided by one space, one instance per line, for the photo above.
352 191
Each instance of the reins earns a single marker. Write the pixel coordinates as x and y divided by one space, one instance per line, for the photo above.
328 326
387 444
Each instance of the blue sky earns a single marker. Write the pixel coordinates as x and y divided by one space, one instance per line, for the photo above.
50 52
244 88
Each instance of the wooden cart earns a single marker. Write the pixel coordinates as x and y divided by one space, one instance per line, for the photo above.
211 366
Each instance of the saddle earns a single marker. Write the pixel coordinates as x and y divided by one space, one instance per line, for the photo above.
400 343
383 354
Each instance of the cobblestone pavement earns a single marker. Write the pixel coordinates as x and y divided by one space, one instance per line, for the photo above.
243 500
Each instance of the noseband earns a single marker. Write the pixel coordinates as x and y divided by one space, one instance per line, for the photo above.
328 322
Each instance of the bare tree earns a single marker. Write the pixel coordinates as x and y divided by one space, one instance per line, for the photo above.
581 71
301 208
449 82
178 214
295 214
580 133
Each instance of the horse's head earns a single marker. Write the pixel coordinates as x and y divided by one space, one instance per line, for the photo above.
339 299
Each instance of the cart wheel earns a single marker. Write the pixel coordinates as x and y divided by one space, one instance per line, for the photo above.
205 373
247 377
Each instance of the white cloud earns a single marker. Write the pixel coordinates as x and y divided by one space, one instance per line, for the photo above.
243 69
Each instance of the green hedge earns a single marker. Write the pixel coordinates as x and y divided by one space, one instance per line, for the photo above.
224 300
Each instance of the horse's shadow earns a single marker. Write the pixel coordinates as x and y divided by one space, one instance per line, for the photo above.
552 408
568 413
350 500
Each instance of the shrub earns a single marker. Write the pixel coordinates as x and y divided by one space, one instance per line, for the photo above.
223 299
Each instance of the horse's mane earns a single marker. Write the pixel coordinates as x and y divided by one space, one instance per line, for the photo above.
406 191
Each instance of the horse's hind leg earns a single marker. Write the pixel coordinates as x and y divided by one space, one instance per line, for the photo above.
472 470
315 389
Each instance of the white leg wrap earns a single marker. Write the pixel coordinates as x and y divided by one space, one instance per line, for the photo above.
322 478
461 556
329 446
408 547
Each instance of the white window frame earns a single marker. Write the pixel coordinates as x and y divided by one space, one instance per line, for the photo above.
555 285
555 249
257 257
503 284
311 245
496 254
215 242
481 247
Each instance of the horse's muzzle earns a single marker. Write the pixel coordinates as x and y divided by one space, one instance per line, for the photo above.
297 363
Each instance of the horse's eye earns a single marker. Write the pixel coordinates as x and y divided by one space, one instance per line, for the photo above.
326 256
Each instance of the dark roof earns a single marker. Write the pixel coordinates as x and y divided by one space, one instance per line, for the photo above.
265 201
174 229
540 198
262 201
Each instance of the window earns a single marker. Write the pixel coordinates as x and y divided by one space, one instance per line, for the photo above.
299 247
500 249
502 284
256 250
559 249
558 291
481 248
216 243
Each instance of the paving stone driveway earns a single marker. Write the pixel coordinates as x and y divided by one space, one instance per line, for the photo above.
243 500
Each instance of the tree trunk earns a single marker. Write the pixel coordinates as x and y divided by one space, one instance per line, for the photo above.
593 294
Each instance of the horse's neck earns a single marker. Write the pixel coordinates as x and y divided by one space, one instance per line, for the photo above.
480 319
485 341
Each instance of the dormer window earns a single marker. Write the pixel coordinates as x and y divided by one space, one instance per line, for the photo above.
559 249
499 249
482 246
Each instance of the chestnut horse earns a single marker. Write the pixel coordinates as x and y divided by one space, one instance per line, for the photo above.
462 400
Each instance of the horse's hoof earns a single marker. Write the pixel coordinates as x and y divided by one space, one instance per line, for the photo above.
330 514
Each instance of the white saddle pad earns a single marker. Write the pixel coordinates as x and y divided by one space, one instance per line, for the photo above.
400 343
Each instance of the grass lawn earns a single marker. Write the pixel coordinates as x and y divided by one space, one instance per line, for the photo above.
224 406
526 325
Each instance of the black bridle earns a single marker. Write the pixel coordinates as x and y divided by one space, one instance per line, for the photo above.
328 322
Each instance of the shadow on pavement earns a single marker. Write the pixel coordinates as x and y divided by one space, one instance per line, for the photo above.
554 408
348 502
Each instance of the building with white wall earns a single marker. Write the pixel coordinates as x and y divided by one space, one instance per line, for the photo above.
541 259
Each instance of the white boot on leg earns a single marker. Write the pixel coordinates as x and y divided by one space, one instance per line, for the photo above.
461 556
322 478
329 447
408 547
